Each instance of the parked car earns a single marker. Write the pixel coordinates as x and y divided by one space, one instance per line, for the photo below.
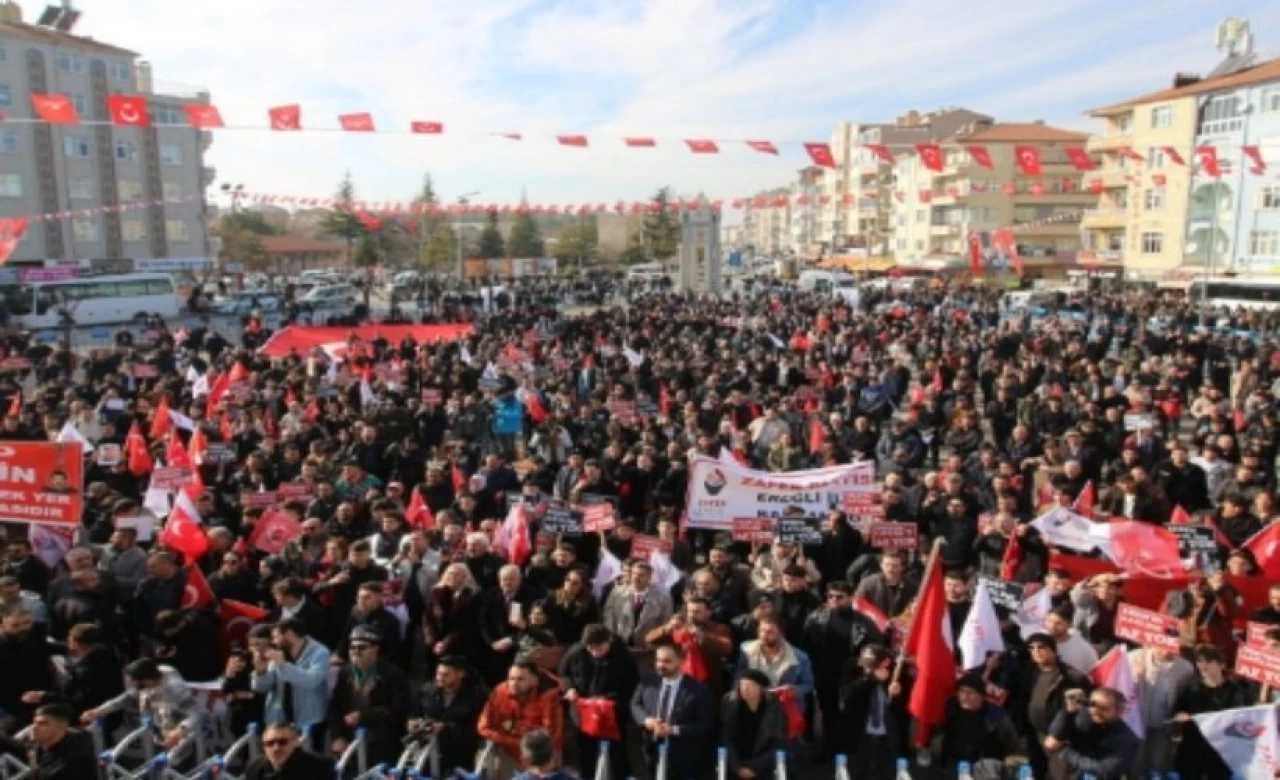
330 296
247 301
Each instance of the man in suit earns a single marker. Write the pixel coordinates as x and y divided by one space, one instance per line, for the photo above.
503 611
637 607
678 711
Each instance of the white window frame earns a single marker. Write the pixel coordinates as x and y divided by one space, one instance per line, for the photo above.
81 105
1270 100
1152 243
168 159
1269 198
1231 117
1156 157
1124 125
10 185
119 71
69 62
176 230
1153 199
9 142
172 190
134 229
1264 243
76 147
1161 117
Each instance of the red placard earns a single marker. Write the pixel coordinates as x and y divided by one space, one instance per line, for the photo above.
144 371
894 536
41 482
1256 633
431 396
1148 628
1258 664
170 478
623 411
254 500
15 364
598 517
644 546
755 530
291 490
864 505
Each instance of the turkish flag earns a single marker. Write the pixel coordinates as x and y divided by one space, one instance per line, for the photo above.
55 109
1036 188
821 155
418 515
198 445
136 453
183 534
1255 154
1096 186
1084 502
1028 159
160 422
357 123
224 426
1007 188
534 406
1079 158
925 196
935 661
426 128
197 594
1174 156
981 155
1209 160
274 530
175 454
1179 516
1011 559
646 143
11 231
1265 546
285 117
764 147
238 618
975 253
817 435
1141 548
702 146
930 156
128 110
882 151
1128 153
203 116
572 140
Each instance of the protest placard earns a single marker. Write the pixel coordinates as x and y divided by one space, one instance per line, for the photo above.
254 500
893 536
1258 664
1005 595
644 546
798 530
753 530
598 517
561 519
170 477
1194 539
1147 628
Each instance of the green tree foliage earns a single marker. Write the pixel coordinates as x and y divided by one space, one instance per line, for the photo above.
439 251
341 222
251 221
526 237
578 242
662 228
491 244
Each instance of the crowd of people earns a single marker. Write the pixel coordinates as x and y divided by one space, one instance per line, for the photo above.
416 595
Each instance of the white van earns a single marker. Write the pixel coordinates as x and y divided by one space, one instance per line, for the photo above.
839 284
92 300
645 272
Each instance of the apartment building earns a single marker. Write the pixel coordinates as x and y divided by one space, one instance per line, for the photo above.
874 208
51 169
835 212
806 238
767 221
935 211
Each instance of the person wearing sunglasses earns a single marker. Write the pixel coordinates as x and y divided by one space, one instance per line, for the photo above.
1089 736
284 759
371 693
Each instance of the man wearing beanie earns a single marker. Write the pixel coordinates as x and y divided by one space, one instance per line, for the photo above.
1044 688
977 732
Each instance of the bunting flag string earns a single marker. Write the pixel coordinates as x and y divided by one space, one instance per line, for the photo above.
132 111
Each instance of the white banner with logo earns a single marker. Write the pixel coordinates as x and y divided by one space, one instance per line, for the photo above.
720 491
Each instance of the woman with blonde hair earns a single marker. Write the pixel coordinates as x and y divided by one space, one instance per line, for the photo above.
452 623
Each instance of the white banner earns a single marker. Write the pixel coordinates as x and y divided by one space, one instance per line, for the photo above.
1246 739
719 491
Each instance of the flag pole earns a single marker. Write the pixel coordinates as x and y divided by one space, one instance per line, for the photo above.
935 556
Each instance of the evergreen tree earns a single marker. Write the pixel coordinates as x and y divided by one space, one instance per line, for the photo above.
439 251
662 228
341 222
491 245
526 237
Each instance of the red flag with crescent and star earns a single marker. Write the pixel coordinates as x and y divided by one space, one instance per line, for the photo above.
203 116
1079 158
197 594
981 156
274 530
930 156
820 154
238 618
285 117
128 110
55 109
1028 159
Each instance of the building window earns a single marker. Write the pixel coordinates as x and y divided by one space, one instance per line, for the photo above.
82 189
6 96
70 63
1270 98
1161 116
1124 124
82 105
1264 243
84 229
172 190
170 154
119 71
921 216
126 151
1152 243
1156 157
1269 198
164 115
130 190
134 230
8 142
1220 115
901 243
175 230
1153 200
10 185
75 146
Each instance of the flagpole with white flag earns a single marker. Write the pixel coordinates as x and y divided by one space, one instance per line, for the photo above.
981 632
1247 739
1114 671
70 433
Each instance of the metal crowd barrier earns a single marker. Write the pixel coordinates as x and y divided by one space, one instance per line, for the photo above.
357 751
220 765
418 760
135 757
722 764
842 767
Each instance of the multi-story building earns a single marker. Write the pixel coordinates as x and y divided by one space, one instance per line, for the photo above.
873 186
100 173
805 239
935 211
767 221
835 203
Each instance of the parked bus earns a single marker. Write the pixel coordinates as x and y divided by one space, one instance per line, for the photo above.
92 300
1236 292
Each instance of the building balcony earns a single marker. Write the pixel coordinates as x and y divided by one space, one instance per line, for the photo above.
1066 198
1105 219
1055 229
1108 142
1111 178
944 230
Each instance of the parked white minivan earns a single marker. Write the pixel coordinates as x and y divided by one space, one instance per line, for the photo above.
330 296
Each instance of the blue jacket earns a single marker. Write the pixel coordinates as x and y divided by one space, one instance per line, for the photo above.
309 678
796 668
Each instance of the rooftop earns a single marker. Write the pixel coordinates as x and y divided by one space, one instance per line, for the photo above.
286 245
1258 74
54 38
1023 132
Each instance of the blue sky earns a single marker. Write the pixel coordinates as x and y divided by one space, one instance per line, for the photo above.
782 70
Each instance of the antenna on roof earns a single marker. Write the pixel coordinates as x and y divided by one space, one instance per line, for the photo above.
1235 40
